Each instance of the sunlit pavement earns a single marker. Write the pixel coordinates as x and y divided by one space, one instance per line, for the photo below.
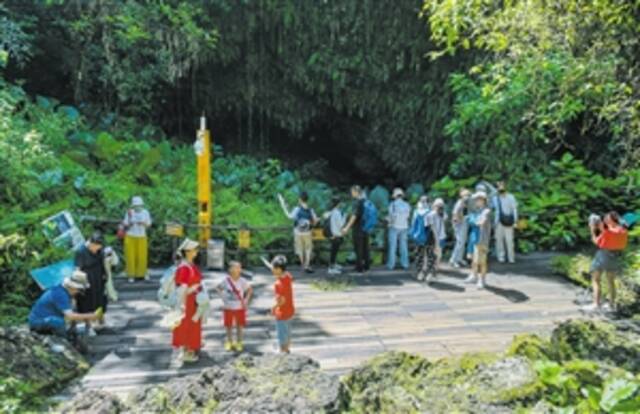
373 313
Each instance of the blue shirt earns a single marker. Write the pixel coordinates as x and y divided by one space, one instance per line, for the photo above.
54 301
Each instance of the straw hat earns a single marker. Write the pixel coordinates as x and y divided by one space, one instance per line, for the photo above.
397 192
137 201
77 280
188 244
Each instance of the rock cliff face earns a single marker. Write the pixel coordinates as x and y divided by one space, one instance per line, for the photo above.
33 366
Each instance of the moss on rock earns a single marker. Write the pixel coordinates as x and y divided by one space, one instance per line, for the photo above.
597 341
30 370
400 382
530 346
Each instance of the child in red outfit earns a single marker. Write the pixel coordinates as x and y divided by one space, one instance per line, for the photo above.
236 294
284 309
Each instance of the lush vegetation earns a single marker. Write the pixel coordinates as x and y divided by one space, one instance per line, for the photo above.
53 160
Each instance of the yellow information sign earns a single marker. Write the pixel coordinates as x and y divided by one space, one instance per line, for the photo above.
317 234
244 239
174 229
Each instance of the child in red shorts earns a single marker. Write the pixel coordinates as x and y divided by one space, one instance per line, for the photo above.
236 294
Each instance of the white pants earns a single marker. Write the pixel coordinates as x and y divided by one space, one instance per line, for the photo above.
504 235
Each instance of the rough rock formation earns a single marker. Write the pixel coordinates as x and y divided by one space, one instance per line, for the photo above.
30 357
264 384
94 402
33 367
400 382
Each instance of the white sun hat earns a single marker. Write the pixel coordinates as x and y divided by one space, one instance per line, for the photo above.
137 201
77 280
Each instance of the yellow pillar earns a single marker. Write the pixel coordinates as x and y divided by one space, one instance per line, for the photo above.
203 153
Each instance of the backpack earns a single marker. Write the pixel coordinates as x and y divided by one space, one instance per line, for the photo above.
303 219
507 220
419 233
369 216
326 228
167 290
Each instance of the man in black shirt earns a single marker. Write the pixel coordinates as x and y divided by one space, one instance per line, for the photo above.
360 237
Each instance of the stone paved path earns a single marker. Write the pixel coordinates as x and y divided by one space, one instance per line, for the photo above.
379 312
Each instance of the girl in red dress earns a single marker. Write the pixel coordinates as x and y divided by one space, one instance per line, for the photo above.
188 335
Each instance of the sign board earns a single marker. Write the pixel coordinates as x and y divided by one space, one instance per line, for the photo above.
174 229
52 275
62 231
244 239
215 254
317 234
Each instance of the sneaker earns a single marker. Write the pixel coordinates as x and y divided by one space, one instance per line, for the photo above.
470 279
480 284
131 280
607 307
309 270
501 260
189 357
456 265
420 276
429 278
228 346
147 277
92 333
592 307
333 271
339 267
239 347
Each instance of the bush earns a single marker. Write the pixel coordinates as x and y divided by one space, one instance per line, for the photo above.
556 201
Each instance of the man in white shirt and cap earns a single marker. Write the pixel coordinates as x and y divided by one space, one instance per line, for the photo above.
398 219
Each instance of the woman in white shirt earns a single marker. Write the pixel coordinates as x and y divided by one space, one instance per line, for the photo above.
136 221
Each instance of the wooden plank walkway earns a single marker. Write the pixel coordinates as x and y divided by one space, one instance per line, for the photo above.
379 312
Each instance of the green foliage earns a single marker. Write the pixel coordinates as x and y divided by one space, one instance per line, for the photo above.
557 200
17 396
558 76
54 161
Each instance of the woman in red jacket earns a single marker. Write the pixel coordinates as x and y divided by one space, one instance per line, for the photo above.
188 335
611 238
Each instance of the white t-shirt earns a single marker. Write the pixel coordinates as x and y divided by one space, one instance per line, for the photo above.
229 299
436 222
133 216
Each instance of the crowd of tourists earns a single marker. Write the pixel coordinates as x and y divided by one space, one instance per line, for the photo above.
477 217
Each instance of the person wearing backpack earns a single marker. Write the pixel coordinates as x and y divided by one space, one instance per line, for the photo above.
506 209
434 223
418 233
332 230
304 218
187 336
398 220
460 228
362 221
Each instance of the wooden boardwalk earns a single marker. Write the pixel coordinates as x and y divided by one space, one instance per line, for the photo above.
379 312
